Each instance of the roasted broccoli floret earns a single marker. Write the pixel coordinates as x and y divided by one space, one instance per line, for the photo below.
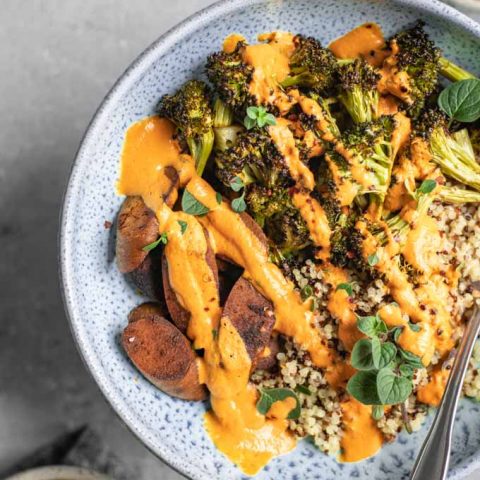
311 66
264 202
288 231
253 158
417 57
452 152
452 71
189 109
231 78
370 144
358 90
310 122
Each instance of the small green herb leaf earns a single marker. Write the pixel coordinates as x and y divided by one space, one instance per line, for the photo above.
258 116
427 186
218 196
411 359
406 370
461 100
392 388
270 119
252 112
363 387
214 333
373 259
377 412
361 357
382 353
306 292
162 239
238 204
192 206
303 389
268 396
347 287
236 184
396 332
249 123
183 226
371 326
414 327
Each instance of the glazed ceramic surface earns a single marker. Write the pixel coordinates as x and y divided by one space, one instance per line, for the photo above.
98 298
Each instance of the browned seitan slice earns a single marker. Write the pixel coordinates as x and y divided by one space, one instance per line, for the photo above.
252 316
180 316
162 353
137 227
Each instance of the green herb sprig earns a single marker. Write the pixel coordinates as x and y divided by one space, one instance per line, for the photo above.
385 370
258 117
238 204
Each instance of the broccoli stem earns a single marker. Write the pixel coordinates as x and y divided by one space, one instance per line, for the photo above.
458 195
226 137
223 114
453 72
201 150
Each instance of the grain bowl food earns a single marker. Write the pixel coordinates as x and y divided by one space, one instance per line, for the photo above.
305 228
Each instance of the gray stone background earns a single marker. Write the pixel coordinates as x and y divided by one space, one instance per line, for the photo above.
58 58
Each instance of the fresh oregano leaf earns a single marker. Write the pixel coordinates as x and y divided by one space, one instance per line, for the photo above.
214 333
396 332
268 396
377 412
270 119
183 226
218 197
410 358
192 206
252 112
382 353
238 204
371 326
162 239
306 292
392 388
303 389
361 357
373 259
427 186
414 327
406 370
347 287
236 184
461 100
363 387
249 122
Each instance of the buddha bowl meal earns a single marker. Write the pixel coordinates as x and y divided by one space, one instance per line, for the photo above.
305 225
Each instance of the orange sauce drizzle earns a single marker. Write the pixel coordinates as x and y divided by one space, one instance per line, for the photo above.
361 438
363 41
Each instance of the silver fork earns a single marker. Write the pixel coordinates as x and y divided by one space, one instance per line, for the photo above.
434 457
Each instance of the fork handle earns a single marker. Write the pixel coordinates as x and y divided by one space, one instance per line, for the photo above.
434 457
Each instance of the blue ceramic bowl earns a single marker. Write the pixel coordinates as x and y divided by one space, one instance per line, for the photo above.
98 299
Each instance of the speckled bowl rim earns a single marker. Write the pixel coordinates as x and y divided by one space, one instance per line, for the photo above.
137 68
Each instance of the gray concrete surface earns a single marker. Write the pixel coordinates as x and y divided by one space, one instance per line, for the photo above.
57 60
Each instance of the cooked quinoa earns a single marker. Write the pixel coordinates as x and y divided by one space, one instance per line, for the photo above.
321 416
